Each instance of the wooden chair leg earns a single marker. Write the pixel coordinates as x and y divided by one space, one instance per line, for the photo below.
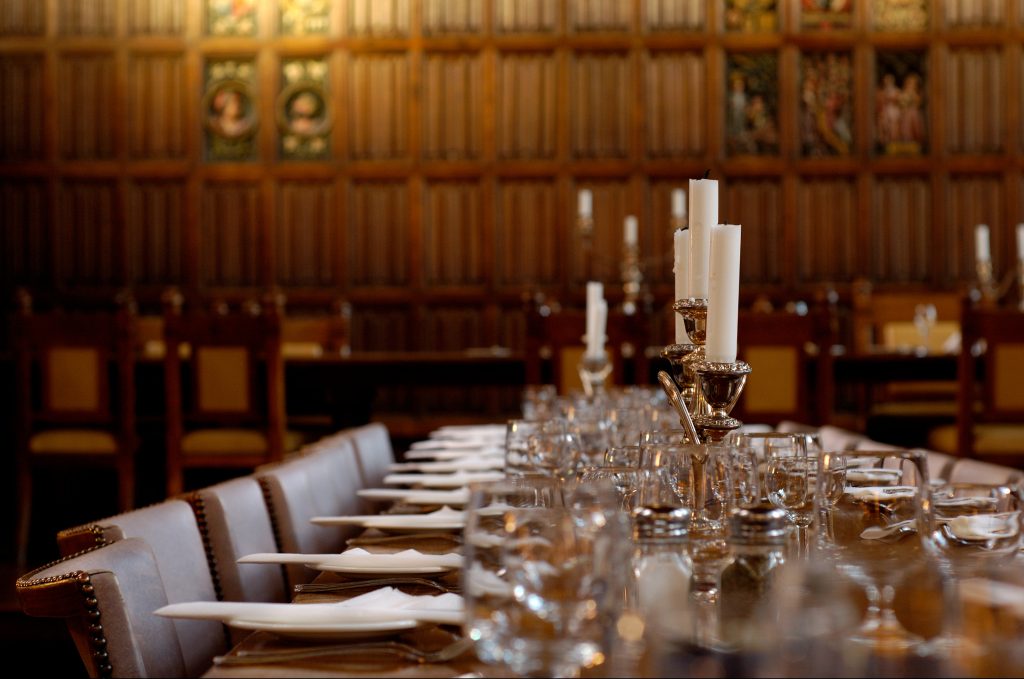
24 514
126 486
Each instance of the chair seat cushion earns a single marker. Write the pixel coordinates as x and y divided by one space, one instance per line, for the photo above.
989 439
915 409
73 441
233 442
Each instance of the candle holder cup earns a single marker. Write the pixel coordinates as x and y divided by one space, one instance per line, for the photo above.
987 281
721 385
594 369
632 278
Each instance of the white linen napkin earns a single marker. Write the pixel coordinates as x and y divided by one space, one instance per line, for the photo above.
360 558
985 526
873 475
459 496
454 444
443 517
382 605
446 454
965 502
880 493
468 463
457 479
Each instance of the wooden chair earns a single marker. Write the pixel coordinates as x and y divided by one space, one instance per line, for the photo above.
107 596
990 398
555 346
76 399
225 405
172 533
792 373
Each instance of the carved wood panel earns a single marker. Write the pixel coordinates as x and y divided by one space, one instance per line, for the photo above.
89 225
657 245
600 15
675 95
85 114
307 233
451 106
378 106
826 228
377 328
156 227
901 237
452 16
601 97
974 13
452 234
675 15
526 237
26 245
229 237
974 101
156 17
599 261
756 205
972 200
23 17
94 17
377 246
158 106
21 107
525 16
526 107
379 17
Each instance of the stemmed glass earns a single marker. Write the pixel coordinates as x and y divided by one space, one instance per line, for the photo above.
900 506
555 450
789 482
974 526
517 448
830 467
925 316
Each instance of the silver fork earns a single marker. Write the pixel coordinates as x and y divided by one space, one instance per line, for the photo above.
321 587
395 648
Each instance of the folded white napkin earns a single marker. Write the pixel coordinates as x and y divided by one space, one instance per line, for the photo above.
965 502
459 496
457 479
446 517
470 463
873 475
455 444
482 582
470 430
985 526
382 605
880 493
446 454
360 558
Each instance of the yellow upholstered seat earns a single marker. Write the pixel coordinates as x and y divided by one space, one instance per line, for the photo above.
233 442
989 439
302 349
72 441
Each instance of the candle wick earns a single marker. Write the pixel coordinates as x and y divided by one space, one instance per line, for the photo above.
707 173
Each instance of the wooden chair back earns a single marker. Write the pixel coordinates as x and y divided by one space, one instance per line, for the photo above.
315 333
886 319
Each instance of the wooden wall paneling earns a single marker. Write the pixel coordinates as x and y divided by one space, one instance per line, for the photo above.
378 327
756 204
974 100
599 15
675 90
973 13
158 107
21 107
377 244
307 233
156 17
378 106
26 247
93 18
89 220
452 234
390 18
451 106
155 225
86 90
526 16
973 200
526 105
23 17
526 243
601 104
659 255
901 237
442 17
675 15
826 230
229 234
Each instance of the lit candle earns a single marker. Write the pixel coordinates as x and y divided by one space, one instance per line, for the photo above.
678 204
630 231
585 203
1020 242
982 253
703 217
682 252
595 337
724 294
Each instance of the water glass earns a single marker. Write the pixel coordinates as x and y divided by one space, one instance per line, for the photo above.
517 446
555 450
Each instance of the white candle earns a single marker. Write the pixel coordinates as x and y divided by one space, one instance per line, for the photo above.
630 231
601 324
678 204
585 203
595 296
681 270
724 294
982 253
703 217
1020 242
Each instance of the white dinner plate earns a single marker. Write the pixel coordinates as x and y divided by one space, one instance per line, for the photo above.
458 496
346 630
375 571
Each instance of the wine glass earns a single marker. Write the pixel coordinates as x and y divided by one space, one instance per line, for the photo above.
877 536
555 450
830 468
925 316
517 448
974 526
789 482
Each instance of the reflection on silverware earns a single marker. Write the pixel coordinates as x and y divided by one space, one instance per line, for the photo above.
449 652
